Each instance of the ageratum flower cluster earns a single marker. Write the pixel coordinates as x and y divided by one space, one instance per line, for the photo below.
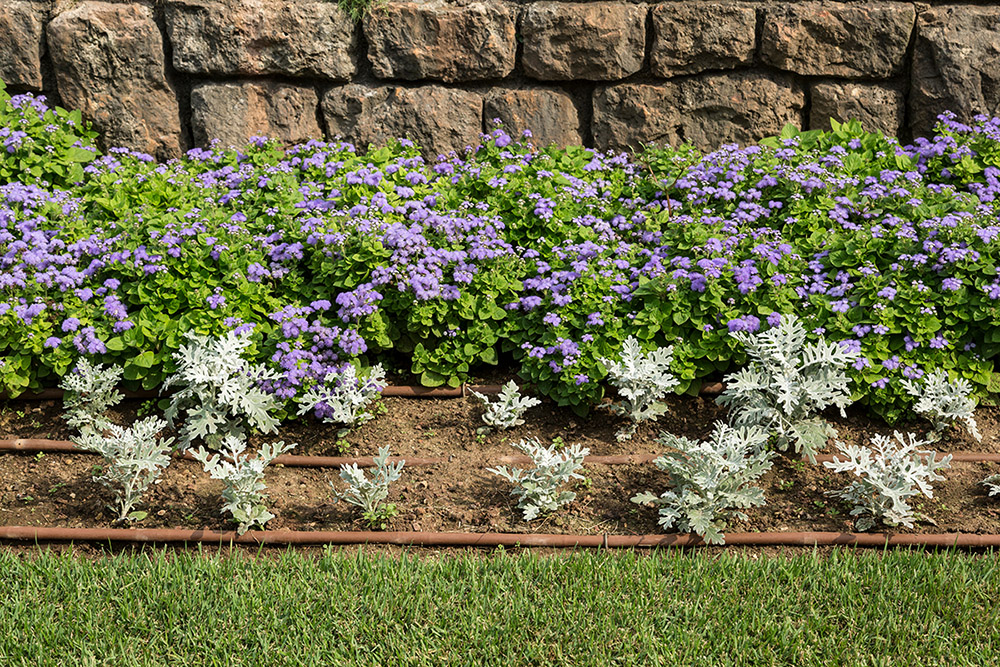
546 258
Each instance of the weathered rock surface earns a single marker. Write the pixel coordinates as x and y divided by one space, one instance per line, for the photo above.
596 41
22 43
876 106
549 114
253 37
438 119
956 65
234 112
705 111
438 40
690 37
109 64
833 39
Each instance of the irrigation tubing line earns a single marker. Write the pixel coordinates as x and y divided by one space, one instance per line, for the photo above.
293 461
401 391
430 539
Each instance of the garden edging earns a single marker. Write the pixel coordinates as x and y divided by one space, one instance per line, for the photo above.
430 539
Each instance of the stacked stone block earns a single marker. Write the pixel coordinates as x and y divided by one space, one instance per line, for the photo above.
161 76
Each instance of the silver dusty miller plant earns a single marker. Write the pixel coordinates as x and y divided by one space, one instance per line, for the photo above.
888 474
243 478
711 480
370 494
537 490
786 383
219 391
992 483
508 410
90 393
343 398
944 402
134 458
642 380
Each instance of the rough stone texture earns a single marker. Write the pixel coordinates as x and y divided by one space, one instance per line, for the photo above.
690 37
956 65
596 41
834 39
877 106
234 112
442 41
438 119
705 111
21 43
109 64
549 114
251 37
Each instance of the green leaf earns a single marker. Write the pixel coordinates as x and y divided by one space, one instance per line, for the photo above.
145 360
432 379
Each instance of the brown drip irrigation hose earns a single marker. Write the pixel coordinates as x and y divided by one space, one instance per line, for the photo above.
427 539
294 461
402 391
392 390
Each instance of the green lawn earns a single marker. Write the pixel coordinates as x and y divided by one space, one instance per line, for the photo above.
345 608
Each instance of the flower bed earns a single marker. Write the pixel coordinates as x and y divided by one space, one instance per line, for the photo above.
459 494
259 281
545 260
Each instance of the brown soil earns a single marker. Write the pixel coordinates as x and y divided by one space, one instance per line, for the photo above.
461 495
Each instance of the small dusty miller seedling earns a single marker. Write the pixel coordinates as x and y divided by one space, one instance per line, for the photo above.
219 390
944 402
370 494
508 410
243 478
642 381
537 489
344 398
134 457
90 392
886 478
786 383
993 484
710 479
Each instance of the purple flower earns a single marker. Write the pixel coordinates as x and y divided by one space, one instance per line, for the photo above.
216 300
938 342
747 323
774 319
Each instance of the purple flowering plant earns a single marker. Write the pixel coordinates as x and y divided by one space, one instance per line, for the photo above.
42 145
543 258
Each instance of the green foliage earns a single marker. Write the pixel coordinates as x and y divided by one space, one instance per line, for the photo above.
39 145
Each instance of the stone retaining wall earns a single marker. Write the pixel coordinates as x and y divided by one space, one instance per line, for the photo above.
167 75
